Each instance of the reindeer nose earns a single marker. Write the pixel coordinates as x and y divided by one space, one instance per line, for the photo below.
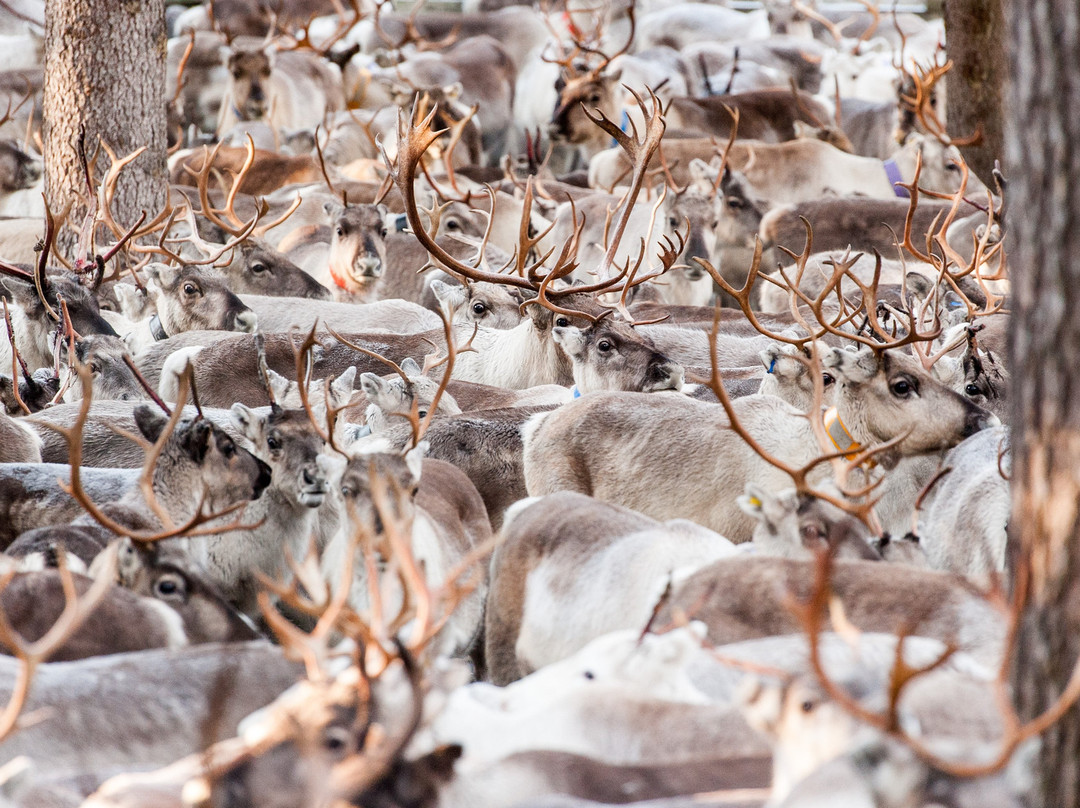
665 376
368 267
979 419
247 321
313 477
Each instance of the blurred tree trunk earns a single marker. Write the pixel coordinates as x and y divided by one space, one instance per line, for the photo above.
1042 137
105 76
975 41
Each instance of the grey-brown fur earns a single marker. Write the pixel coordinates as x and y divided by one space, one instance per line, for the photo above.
656 452
486 445
742 598
142 709
190 299
609 356
18 443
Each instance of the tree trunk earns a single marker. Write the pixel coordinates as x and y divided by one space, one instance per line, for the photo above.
975 37
105 77
1042 137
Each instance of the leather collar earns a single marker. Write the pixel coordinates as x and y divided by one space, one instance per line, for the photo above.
839 435
156 330
892 171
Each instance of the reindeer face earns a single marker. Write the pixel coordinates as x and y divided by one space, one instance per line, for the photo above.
287 441
250 74
18 170
191 300
358 245
609 356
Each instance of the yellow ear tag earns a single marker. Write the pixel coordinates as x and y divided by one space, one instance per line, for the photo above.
754 501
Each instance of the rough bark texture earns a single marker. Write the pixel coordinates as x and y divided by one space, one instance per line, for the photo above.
105 75
1042 138
975 36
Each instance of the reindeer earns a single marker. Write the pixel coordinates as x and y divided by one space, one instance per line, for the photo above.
569 569
286 514
168 607
92 729
603 359
880 396
288 89
183 299
34 314
488 304
448 521
356 256
20 443
394 395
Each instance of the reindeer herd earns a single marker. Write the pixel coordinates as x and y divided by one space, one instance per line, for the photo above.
569 405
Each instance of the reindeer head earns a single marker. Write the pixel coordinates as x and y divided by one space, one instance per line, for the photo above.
290 445
882 395
358 245
392 395
201 457
190 299
609 355
258 269
488 304
169 576
249 83
113 377
795 525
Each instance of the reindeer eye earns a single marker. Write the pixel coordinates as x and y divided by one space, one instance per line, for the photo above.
169 587
190 289
478 308
972 389
238 74
452 224
604 346
734 202
348 491
228 449
562 322
273 444
594 98
382 232
341 232
259 268
422 413
807 706
902 388
336 739
827 379
673 222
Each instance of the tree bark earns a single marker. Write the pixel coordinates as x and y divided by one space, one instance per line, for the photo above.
1042 137
975 37
105 77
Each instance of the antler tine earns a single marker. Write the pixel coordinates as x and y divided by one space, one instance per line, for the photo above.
40 280
17 362
812 14
742 296
202 181
870 29
376 356
414 139
640 151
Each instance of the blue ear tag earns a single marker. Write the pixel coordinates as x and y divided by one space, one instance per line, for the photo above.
575 392
401 222
772 365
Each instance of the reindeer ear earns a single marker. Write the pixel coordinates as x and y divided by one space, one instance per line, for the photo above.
414 458
858 367
150 422
410 367
453 91
279 385
761 703
449 294
341 388
371 384
247 421
196 440
701 172
918 284
333 209
752 503
570 339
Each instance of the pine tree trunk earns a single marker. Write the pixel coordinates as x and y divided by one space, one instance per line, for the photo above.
105 76
1042 137
974 32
